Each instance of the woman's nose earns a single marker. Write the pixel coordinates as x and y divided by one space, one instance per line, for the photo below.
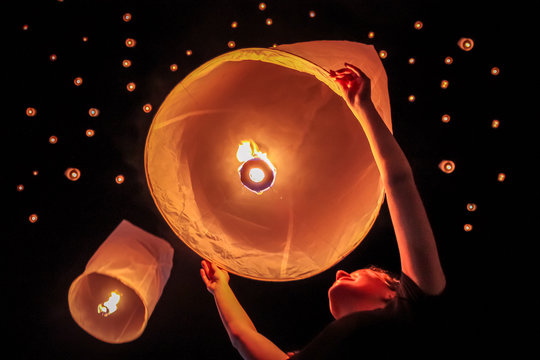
340 274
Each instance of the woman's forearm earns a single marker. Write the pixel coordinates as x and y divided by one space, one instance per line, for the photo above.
232 314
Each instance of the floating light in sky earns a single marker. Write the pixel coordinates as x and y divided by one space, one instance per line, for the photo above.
371 35
312 14
20 187
383 54
448 60
495 71
444 84
126 63
173 67
269 21
33 218
53 57
93 112
418 25
445 118
126 17
189 52
471 207
85 38
119 179
30 111
130 86
447 166
501 177
466 44
72 174
35 172
495 124
78 81
53 139
90 132
231 44
412 98
262 6
147 108
110 306
467 227
412 60
130 42
25 27
234 24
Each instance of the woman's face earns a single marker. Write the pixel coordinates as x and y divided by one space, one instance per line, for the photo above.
361 290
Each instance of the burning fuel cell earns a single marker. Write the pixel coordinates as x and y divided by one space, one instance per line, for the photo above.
256 172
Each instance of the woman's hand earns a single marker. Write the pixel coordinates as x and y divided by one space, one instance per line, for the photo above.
213 276
354 83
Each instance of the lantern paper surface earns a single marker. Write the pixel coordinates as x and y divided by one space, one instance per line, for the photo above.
133 264
327 190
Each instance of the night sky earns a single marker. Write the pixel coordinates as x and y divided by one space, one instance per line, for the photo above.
88 40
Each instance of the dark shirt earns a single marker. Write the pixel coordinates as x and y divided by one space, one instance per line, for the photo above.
397 329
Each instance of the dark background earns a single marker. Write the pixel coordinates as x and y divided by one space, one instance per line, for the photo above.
43 258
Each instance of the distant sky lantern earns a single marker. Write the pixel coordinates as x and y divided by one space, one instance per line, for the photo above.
371 34
20 187
118 290
130 86
126 17
312 14
231 44
25 27
72 174
448 60
447 166
30 111
262 6
90 132
445 118
495 124
467 227
85 38
119 179
213 196
35 173
234 24
147 108
444 84
418 25
466 44
495 71
173 67
189 52
383 54
53 57
501 177
53 139
130 42
33 218
126 63
412 61
471 207
411 98
78 81
93 112
269 21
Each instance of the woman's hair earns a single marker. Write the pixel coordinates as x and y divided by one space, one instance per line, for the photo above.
390 279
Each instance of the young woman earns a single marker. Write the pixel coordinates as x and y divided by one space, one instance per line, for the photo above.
368 304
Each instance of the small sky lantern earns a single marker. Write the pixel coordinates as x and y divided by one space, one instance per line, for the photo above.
130 86
147 108
383 54
126 17
466 44
262 6
72 174
30 111
189 52
33 218
312 14
495 124
211 165
256 172
447 166
471 207
467 227
231 44
412 61
114 297
130 42
411 98
119 179
90 132
495 71
418 25
20 187
53 57
448 60
234 24
501 177
445 118
93 112
173 67
78 81
269 21
53 139
444 84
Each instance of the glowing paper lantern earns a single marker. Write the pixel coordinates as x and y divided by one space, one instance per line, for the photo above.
466 44
326 192
117 292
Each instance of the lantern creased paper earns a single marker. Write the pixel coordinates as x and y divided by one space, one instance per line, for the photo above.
132 263
327 191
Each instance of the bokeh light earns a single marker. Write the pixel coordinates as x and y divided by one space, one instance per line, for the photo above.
30 111
33 218
119 179
445 118
418 25
466 44
471 207
93 112
447 166
72 174
130 42
53 139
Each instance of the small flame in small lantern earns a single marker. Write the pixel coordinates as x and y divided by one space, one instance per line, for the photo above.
109 306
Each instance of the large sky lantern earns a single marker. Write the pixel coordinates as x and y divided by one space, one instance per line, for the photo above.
257 163
114 297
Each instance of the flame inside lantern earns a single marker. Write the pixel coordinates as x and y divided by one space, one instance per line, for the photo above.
257 173
110 306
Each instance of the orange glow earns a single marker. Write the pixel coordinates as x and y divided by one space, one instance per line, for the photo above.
412 61
418 25
147 108
231 44
85 39
262 6
126 17
501 177
447 166
467 227
90 132
189 52
20 187
110 306
126 63
25 27
31 111
33 218
466 44
119 179
495 71
371 35
448 60
445 118
35 172
130 42
444 84
72 174
383 54
93 112
312 14
255 167
471 206
412 98
131 86
173 67
269 21
234 24
78 81
53 139
53 57
495 124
